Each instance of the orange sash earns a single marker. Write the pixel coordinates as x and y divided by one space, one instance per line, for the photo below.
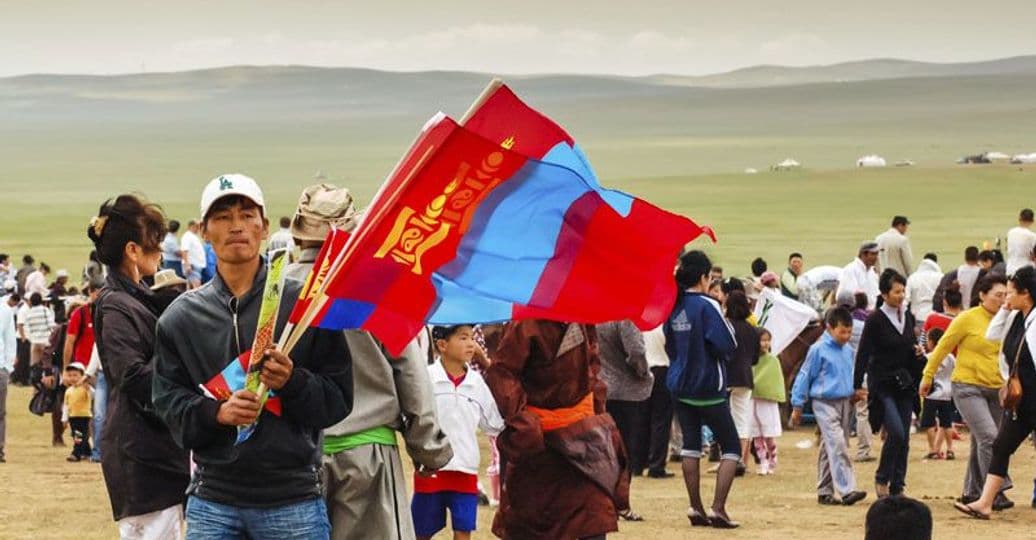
552 419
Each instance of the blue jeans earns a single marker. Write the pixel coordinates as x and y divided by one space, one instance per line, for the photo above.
892 466
100 411
306 520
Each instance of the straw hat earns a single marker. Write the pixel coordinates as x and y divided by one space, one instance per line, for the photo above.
321 207
166 278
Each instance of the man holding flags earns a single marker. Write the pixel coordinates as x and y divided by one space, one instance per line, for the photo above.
268 486
362 473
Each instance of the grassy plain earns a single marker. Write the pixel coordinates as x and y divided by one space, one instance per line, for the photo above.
46 498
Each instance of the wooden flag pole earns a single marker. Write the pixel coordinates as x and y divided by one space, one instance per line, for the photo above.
290 338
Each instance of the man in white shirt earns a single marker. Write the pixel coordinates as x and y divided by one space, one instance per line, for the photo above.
860 275
193 254
921 286
36 282
8 356
282 238
1020 242
895 248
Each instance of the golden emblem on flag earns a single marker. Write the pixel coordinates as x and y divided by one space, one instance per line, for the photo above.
413 233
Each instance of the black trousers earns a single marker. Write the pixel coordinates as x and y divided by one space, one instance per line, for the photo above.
660 413
1013 431
20 375
632 420
80 428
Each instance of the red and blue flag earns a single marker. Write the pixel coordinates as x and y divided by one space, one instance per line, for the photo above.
503 221
232 379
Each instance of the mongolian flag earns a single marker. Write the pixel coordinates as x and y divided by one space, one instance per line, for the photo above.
329 251
232 379
469 230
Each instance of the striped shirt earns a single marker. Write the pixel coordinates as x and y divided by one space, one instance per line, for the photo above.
39 321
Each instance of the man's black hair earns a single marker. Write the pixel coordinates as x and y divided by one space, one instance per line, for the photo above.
898 518
793 255
693 266
758 266
931 257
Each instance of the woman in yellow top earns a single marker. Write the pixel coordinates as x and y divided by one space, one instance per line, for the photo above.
976 382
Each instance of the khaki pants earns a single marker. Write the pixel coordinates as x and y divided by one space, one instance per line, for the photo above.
366 494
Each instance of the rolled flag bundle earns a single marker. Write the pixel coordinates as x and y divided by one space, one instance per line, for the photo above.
264 330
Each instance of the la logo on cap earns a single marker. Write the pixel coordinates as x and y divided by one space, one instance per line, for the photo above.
225 184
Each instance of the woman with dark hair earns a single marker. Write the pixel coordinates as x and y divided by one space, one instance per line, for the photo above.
146 473
699 341
976 380
739 370
891 359
1013 325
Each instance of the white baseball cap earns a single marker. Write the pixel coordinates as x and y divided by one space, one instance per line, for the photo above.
226 185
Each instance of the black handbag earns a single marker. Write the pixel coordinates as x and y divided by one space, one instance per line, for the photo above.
902 380
42 401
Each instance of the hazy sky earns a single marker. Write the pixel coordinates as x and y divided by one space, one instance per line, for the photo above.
518 36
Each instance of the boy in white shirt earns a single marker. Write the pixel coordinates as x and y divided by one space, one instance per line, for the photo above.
938 405
464 405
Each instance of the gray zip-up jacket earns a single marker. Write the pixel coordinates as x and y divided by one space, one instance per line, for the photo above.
197 337
388 391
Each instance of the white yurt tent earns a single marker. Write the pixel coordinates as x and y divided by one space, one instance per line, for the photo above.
993 156
750 171
871 161
787 164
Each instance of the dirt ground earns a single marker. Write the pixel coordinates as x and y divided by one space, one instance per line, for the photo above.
44 497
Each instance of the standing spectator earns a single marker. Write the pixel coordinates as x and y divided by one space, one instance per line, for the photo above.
857 306
1020 243
826 379
145 473
77 410
194 259
282 238
39 321
23 273
6 271
20 376
892 360
790 277
699 341
8 356
79 347
625 373
58 293
768 392
976 382
236 493
36 282
952 305
172 254
937 410
965 275
210 263
739 370
465 405
1014 329
991 261
94 272
921 286
361 468
860 275
659 405
895 248
716 274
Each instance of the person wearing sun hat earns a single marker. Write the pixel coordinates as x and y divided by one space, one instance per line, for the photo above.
268 486
361 470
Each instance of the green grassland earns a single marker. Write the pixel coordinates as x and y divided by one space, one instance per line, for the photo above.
69 142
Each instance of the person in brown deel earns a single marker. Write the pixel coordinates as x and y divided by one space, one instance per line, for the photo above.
566 473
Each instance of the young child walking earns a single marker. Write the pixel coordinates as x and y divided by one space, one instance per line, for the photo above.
937 413
826 378
768 394
464 405
77 410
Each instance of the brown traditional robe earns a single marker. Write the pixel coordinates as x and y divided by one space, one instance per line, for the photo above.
566 483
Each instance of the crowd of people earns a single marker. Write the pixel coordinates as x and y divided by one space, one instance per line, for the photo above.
129 362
